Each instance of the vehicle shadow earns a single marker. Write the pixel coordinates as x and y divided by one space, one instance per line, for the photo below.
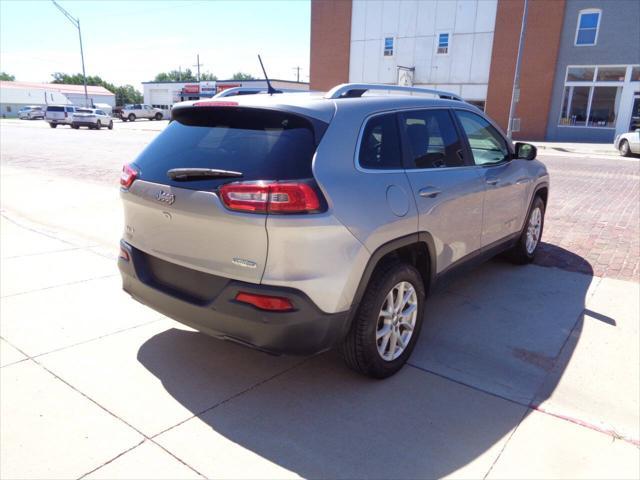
500 330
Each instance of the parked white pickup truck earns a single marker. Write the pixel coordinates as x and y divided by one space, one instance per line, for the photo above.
134 111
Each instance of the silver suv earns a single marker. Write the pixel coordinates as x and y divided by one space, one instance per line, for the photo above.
294 223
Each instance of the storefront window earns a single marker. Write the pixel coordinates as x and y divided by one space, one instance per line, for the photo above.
604 106
580 74
611 74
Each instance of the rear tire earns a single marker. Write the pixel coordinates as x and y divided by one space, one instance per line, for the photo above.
624 148
53 125
525 250
98 125
75 127
158 116
110 127
132 117
367 348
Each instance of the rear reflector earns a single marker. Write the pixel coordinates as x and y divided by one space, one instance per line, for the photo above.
265 302
124 255
270 197
215 104
127 176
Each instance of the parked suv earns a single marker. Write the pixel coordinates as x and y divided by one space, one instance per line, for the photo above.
59 115
137 110
31 112
92 118
297 223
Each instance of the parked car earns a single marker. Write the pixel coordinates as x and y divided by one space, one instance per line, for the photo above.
92 118
628 143
137 110
59 115
296 223
32 112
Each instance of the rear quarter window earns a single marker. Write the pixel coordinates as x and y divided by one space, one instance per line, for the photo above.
261 144
380 144
53 108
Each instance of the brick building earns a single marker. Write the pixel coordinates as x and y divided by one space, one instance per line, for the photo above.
580 74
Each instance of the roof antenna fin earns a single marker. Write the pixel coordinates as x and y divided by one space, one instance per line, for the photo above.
270 89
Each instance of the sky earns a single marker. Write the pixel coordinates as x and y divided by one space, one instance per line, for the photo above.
128 42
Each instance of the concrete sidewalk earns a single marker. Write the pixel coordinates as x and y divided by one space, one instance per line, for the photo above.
520 372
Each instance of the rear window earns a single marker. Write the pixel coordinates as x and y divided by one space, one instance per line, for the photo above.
53 108
261 144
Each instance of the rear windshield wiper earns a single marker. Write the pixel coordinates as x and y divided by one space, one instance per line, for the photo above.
199 173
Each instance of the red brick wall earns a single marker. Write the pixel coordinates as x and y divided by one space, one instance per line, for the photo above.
330 43
540 53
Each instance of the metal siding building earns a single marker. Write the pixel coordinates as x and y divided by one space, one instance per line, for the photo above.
15 95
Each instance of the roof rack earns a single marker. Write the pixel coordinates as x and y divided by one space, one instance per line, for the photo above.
354 90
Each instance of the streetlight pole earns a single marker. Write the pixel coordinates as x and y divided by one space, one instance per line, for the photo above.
76 23
515 93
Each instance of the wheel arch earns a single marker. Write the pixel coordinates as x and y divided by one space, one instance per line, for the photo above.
417 249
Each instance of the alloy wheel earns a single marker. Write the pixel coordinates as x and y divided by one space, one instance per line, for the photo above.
396 321
533 230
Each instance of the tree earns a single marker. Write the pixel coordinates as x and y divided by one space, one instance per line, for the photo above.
6 76
242 76
208 77
124 93
176 76
127 94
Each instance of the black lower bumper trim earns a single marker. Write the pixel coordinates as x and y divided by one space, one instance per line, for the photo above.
303 331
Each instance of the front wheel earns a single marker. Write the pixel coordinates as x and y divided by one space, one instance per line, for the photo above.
132 117
110 127
53 125
624 148
158 116
98 125
388 321
75 127
525 250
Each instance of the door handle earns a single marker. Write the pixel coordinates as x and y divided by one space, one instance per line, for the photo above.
523 181
492 181
429 192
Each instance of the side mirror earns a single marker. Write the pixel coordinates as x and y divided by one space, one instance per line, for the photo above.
526 151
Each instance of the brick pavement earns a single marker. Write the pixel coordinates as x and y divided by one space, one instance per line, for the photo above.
593 217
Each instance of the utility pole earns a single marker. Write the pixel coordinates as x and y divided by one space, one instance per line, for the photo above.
515 93
198 64
76 23
297 69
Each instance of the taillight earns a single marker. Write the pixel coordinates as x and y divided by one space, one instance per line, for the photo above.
270 197
265 302
127 176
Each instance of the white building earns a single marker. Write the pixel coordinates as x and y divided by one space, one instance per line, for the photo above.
442 43
164 95
15 95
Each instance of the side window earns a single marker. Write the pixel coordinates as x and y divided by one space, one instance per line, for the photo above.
100 112
432 139
487 144
380 144
137 107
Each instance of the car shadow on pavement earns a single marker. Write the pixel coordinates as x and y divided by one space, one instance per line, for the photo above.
490 341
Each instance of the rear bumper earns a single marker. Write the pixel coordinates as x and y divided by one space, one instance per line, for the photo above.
304 331
83 123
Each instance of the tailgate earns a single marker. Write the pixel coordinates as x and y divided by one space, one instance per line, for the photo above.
193 229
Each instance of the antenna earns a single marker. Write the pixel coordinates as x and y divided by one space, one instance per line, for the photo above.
270 89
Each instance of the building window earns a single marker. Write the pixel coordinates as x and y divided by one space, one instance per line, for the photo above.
443 44
587 31
635 74
388 46
592 96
